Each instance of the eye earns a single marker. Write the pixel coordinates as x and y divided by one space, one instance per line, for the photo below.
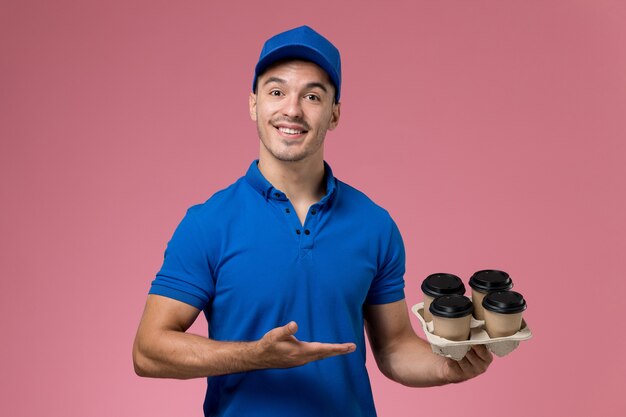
312 97
275 93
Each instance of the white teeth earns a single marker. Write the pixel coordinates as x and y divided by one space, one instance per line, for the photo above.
290 131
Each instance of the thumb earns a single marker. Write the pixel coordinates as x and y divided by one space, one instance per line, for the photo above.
290 328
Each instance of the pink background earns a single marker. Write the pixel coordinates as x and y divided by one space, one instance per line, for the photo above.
493 131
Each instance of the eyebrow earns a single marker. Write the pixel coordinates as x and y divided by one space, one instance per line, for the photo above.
274 80
312 84
316 84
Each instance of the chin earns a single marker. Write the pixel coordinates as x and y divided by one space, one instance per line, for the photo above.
287 155
289 158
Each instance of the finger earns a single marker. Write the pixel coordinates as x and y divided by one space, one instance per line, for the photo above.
483 353
466 366
474 362
455 371
325 350
287 330
330 347
477 365
291 327
479 359
471 356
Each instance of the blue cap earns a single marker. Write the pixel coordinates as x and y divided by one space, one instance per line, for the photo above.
302 43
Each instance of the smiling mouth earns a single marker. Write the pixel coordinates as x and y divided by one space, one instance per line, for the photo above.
289 131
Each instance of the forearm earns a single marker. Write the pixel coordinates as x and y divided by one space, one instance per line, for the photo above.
175 354
406 358
411 362
170 353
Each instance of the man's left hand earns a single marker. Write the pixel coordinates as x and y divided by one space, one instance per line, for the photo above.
475 362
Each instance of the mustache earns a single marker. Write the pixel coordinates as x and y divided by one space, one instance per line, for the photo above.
292 121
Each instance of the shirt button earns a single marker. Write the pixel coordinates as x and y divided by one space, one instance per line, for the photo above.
307 232
287 210
313 211
277 194
297 231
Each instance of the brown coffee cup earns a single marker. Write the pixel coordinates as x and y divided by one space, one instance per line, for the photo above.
485 281
503 313
436 285
452 315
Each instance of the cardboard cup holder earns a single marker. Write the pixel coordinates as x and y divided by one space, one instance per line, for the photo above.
499 346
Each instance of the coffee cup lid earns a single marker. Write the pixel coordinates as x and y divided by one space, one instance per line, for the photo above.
490 280
439 284
504 302
451 306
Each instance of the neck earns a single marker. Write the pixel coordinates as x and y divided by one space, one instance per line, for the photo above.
301 181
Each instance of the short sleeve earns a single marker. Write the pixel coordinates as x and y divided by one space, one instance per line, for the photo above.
388 285
186 274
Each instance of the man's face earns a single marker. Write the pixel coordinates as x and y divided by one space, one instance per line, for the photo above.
293 107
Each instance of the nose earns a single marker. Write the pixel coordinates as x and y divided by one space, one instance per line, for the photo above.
292 107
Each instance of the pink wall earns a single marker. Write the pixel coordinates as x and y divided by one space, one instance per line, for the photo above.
493 131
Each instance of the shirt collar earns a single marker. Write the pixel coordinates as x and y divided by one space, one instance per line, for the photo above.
267 190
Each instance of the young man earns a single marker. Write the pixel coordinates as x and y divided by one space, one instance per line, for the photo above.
289 265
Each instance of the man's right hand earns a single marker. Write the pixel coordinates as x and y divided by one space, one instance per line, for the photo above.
279 348
163 349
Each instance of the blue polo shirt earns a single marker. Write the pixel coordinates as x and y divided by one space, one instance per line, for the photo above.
244 258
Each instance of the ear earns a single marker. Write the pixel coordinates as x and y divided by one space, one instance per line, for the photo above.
252 106
336 112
